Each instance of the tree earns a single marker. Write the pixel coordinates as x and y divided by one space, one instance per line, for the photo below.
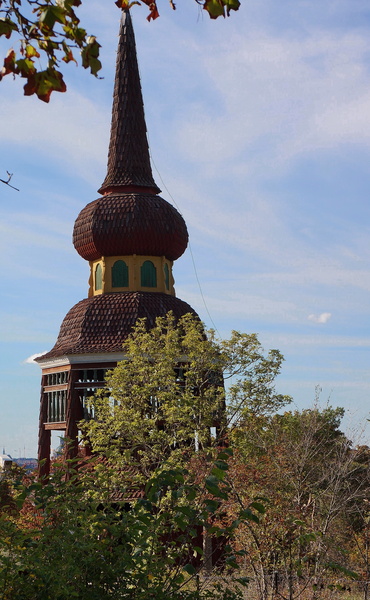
317 486
50 30
83 536
167 399
357 522
7 181
128 523
165 405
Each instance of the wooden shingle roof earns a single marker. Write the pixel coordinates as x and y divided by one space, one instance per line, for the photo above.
102 323
128 159
127 224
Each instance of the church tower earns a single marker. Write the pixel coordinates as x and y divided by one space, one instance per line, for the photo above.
130 236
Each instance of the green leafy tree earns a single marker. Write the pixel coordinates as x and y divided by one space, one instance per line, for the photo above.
83 536
138 520
167 399
50 32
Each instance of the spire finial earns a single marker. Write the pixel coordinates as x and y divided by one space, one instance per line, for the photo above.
129 167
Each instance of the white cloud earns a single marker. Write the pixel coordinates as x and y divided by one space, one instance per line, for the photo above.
322 318
280 97
334 274
31 359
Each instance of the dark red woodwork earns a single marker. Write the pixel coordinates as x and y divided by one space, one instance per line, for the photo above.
74 414
128 156
44 435
102 323
129 219
128 224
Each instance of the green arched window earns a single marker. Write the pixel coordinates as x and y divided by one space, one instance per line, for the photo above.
148 274
98 277
166 276
119 274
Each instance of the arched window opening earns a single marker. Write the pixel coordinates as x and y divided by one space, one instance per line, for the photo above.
148 274
98 277
166 276
119 274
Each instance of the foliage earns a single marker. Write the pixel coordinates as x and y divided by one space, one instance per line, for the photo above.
88 542
317 487
151 411
145 517
8 479
50 31
145 514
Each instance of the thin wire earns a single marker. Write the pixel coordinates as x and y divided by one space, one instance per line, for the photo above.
189 246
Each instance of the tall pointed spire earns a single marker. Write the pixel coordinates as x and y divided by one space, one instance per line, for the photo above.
130 236
129 167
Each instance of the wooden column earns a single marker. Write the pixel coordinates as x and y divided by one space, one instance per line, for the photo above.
44 434
73 416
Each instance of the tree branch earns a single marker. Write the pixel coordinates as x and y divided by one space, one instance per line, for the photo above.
7 181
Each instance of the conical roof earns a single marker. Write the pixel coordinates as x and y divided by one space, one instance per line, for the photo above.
102 323
130 218
128 158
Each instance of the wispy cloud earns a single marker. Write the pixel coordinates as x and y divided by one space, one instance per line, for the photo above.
322 341
279 98
321 318
72 129
31 359
34 230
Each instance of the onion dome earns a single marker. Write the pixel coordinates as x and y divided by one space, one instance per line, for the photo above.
102 323
130 218
128 224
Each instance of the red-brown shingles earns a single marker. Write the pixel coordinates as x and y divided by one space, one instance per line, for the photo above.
102 323
127 224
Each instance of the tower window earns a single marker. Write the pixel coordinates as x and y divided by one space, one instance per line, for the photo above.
166 276
98 277
119 274
148 274
59 378
57 402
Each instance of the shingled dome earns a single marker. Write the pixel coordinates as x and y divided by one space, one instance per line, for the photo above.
128 220
128 157
102 323
126 224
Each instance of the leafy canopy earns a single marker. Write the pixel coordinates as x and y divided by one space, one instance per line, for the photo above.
167 398
81 535
317 483
49 32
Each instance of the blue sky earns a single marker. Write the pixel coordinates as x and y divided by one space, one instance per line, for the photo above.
259 129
